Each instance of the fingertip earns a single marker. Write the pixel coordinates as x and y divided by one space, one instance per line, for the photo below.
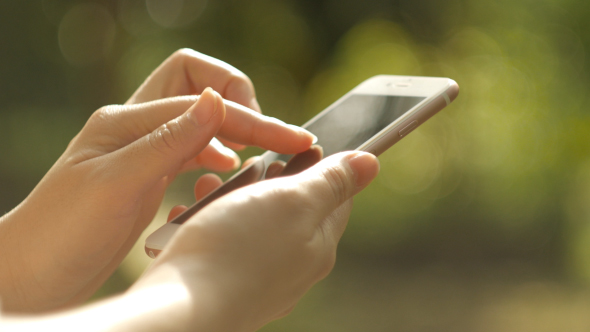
205 108
231 155
208 90
214 98
220 104
305 137
231 160
314 138
234 158
175 212
237 161
365 167
274 169
206 184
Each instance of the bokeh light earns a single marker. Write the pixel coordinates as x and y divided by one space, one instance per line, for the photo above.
175 13
86 34
134 17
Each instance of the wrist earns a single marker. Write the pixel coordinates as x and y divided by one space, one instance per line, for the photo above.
209 302
13 272
24 265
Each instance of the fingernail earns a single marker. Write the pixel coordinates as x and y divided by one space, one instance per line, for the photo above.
230 153
206 107
315 138
304 132
365 167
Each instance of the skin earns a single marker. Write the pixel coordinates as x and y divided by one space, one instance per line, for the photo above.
298 163
242 261
74 229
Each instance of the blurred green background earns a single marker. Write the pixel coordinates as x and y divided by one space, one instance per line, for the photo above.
479 220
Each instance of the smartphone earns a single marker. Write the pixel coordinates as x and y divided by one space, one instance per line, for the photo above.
371 117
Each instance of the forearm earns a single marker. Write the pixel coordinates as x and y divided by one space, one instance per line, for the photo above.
12 268
156 310
20 287
33 276
150 306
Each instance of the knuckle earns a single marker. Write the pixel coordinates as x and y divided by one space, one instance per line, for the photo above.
239 85
184 53
165 138
286 312
283 198
327 264
338 183
100 122
104 114
73 141
241 80
180 57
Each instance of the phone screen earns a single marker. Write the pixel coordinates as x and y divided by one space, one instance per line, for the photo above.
346 126
354 120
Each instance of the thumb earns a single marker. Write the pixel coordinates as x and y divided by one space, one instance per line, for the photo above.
168 147
337 178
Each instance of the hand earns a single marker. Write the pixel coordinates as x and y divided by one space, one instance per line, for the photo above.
187 72
209 182
77 225
248 257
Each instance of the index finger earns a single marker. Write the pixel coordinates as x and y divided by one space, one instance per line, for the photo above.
245 126
241 124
